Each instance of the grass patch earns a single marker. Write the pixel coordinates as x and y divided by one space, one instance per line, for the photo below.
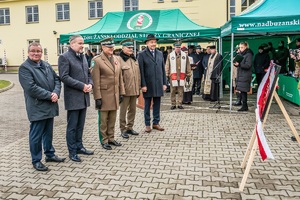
9 71
4 84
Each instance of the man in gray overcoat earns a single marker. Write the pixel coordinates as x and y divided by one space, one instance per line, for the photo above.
41 88
74 73
153 81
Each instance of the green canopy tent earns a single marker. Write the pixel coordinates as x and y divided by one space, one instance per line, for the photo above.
265 17
167 25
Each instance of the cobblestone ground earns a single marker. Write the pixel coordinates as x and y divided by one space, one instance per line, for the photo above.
198 156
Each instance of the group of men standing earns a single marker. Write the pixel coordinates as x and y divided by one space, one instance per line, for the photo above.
115 81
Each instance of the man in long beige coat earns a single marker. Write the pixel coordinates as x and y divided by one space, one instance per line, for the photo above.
108 91
132 84
178 70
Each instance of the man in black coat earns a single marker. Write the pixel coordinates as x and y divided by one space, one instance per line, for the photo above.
261 64
153 81
74 73
205 60
41 88
198 70
244 73
280 57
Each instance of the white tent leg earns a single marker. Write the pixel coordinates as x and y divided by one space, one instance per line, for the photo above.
231 69
221 79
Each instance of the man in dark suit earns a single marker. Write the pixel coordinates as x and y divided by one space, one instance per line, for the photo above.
41 90
75 74
153 81
198 70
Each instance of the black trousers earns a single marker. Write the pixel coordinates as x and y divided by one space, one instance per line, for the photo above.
156 110
76 120
244 99
196 86
41 134
259 78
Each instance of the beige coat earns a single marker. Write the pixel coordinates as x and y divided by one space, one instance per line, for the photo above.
131 76
108 81
188 70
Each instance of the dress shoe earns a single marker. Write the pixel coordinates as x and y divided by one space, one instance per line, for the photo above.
75 158
158 127
84 151
293 138
132 132
40 166
54 159
147 129
115 143
237 103
243 109
180 107
106 146
125 135
173 107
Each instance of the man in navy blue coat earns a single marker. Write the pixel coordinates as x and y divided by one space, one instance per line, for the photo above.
75 74
41 88
153 81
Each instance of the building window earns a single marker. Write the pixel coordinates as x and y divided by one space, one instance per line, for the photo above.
32 13
246 4
62 11
231 8
4 16
130 5
95 9
33 40
160 1
174 0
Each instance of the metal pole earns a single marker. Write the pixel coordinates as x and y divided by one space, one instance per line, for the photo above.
5 63
134 49
231 69
221 79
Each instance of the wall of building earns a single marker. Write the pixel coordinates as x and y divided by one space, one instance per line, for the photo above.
14 37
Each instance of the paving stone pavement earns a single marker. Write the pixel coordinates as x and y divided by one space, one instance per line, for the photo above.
198 156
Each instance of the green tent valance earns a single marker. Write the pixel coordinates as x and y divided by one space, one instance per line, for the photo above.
266 16
165 24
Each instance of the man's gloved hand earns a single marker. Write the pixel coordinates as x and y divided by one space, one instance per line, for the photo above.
98 103
188 79
121 98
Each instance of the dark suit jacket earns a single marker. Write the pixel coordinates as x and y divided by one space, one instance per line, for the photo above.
74 73
199 70
153 74
38 82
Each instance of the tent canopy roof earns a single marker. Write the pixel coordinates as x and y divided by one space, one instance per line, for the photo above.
265 16
167 25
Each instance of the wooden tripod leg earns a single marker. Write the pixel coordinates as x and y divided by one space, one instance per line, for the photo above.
248 151
249 164
287 117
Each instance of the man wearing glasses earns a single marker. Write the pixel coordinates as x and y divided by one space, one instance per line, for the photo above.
108 91
41 87
132 85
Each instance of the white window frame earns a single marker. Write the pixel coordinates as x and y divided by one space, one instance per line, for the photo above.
32 14
63 12
29 41
247 4
131 6
4 16
95 9
231 14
